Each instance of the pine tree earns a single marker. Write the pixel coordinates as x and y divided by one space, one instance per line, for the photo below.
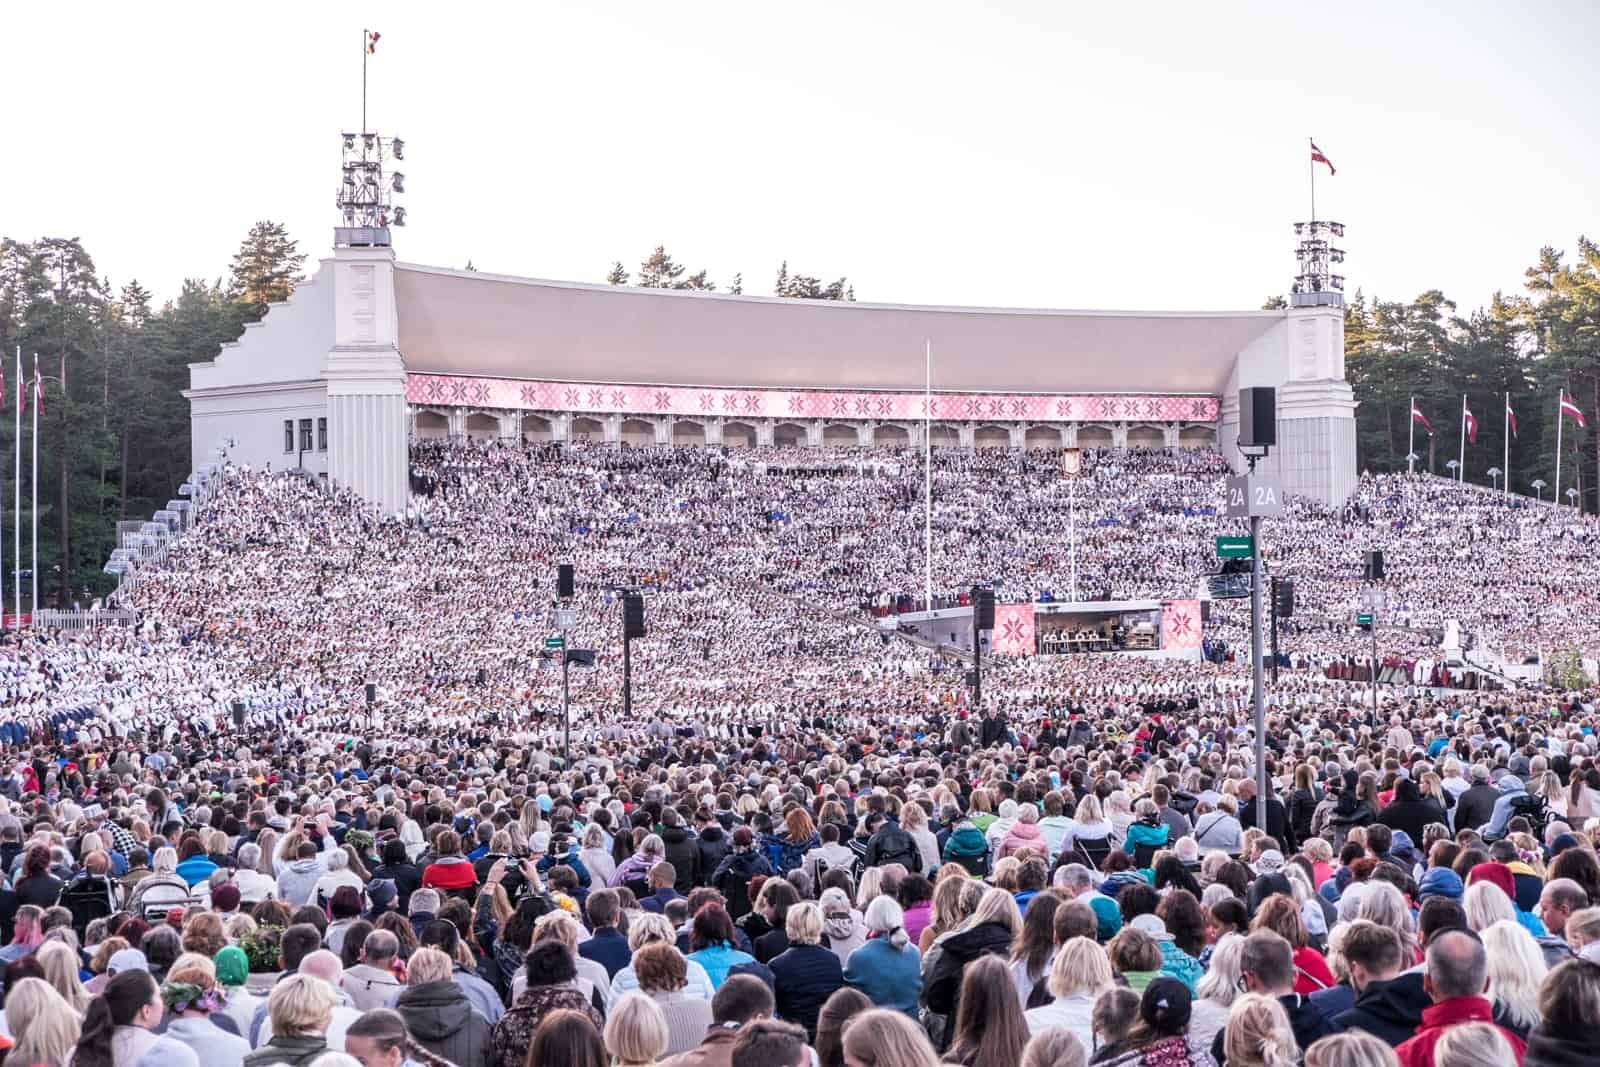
737 288
805 287
1274 303
617 275
658 271
265 269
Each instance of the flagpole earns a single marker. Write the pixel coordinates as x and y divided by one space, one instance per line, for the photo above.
1461 461
1505 467
33 485
1561 399
1411 437
927 477
1313 163
16 496
364 80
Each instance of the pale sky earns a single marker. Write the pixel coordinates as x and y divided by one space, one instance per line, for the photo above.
1069 155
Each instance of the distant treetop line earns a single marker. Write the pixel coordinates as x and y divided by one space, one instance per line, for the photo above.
660 271
127 364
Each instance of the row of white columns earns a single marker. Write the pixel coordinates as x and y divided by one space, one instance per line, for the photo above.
509 425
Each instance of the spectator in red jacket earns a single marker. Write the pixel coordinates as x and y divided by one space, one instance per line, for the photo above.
451 871
1456 980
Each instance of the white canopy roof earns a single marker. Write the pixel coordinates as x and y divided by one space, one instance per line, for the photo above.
472 323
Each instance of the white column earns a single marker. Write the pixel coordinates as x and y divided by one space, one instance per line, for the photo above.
764 432
1119 435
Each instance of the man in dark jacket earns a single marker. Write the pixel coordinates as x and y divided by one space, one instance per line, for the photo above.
683 851
1267 966
890 844
1388 1005
1475 806
713 844
440 1017
1410 810
406 876
607 947
1277 819
740 999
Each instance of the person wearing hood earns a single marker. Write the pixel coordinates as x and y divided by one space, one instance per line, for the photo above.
786 850
1024 833
733 874
596 854
297 882
1388 1004
1147 831
842 930
1410 812
1006 818
1350 810
967 846
683 851
437 1012
990 930
1509 789
398 868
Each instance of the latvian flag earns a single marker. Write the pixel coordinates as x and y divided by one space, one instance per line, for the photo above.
1572 410
372 41
1471 422
1511 417
38 388
1418 416
1318 157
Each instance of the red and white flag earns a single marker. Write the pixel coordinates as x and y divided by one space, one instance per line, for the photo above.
1571 410
38 390
1471 422
1511 417
1318 157
1014 629
1418 416
372 41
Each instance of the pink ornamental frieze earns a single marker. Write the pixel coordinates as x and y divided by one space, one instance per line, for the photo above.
694 401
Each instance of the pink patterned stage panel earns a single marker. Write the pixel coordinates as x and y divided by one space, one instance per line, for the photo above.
692 401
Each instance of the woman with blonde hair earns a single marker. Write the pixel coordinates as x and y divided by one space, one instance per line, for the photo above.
885 1038
1217 990
1078 975
649 927
636 1032
953 900
44 1027
1353 1048
805 974
60 965
1516 972
1472 1045
191 995
1258 1034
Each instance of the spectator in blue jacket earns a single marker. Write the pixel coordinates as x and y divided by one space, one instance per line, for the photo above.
888 968
805 974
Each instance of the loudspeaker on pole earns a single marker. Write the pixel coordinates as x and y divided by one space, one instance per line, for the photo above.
1258 417
565 581
632 615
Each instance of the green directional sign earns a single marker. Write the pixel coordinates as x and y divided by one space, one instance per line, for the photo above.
1364 618
1235 548
555 642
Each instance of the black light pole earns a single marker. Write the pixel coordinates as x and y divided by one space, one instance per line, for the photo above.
1274 631
632 626
565 590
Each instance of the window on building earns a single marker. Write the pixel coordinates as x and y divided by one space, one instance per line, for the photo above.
288 435
305 435
322 435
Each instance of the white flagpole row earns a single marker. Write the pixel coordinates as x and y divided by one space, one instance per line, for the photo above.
34 486
1411 437
927 477
1561 417
1461 461
1505 467
16 496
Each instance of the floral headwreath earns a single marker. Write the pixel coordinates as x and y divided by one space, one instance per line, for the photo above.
186 996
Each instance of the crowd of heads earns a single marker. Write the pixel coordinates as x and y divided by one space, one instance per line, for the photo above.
327 795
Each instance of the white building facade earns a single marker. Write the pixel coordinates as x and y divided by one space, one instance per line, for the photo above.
369 353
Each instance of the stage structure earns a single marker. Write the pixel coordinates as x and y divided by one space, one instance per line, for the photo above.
370 352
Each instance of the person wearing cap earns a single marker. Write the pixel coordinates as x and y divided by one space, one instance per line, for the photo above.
1159 1039
1475 805
398 869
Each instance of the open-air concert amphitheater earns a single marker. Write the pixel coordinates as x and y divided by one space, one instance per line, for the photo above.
552 673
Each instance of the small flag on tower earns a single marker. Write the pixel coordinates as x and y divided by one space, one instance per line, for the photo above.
372 41
1318 157
1471 422
1418 416
1511 417
1571 410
